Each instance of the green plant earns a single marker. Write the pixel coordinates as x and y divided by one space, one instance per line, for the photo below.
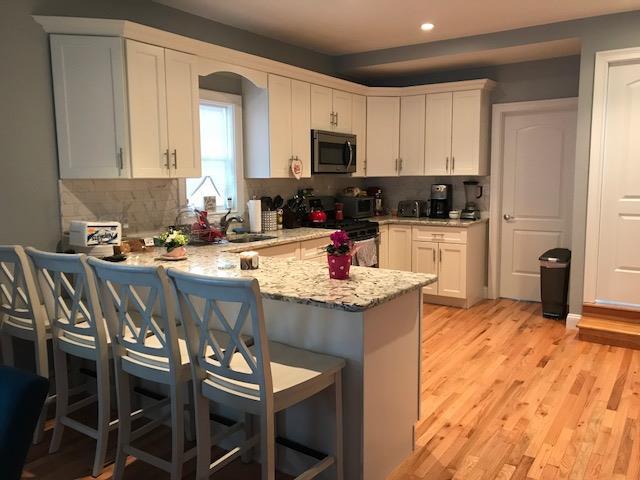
173 239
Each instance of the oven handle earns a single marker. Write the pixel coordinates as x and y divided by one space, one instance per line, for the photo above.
350 154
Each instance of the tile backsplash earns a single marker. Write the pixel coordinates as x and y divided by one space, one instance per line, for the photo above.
144 205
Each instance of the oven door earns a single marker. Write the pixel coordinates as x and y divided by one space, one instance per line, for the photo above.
333 152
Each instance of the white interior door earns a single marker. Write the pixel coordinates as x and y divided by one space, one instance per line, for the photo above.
537 188
618 278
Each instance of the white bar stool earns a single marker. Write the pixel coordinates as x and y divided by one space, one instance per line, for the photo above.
150 351
79 330
261 380
22 315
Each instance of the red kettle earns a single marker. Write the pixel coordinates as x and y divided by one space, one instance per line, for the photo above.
317 215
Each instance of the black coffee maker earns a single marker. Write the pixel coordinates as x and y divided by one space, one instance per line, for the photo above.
441 200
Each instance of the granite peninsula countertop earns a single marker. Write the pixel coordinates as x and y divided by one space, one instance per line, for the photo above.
281 237
431 222
298 281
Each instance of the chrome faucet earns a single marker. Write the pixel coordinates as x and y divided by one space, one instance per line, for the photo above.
225 221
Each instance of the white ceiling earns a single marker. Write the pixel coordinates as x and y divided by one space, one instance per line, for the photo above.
477 58
347 26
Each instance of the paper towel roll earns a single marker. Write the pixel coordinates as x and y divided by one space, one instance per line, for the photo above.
255 216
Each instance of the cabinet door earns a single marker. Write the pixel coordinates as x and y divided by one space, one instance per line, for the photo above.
383 253
313 249
359 129
289 250
321 108
424 259
89 94
452 270
342 111
412 129
147 97
301 124
183 114
280 125
400 247
438 134
465 142
383 136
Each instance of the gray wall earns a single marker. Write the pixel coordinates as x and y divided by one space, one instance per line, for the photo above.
29 204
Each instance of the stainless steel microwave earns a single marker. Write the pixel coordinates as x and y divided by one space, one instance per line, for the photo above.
333 152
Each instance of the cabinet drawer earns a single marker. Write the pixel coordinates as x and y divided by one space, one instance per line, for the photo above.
289 250
439 234
310 249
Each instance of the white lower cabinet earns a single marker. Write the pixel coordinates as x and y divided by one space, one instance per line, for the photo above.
452 270
424 259
399 247
288 250
309 250
383 247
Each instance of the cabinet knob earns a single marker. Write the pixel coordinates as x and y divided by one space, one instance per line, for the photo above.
507 217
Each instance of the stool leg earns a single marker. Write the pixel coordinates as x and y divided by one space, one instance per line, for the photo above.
62 397
7 350
339 437
190 427
104 415
42 369
177 431
123 390
267 445
203 435
248 433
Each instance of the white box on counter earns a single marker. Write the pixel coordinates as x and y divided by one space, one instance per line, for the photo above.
88 234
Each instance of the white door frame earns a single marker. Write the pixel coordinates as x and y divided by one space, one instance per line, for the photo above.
500 112
596 162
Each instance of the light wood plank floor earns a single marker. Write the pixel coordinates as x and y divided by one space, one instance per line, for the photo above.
506 394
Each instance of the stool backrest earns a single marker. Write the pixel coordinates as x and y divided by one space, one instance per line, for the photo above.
201 300
19 294
74 304
140 310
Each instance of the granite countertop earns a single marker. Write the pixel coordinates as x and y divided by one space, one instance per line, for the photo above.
298 281
281 237
436 222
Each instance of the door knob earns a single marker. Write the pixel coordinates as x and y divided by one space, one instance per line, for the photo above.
507 217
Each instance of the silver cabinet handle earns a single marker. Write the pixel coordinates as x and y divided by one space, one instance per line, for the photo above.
166 157
453 164
175 158
447 165
331 121
434 255
507 217
396 164
120 160
350 155
440 252
336 114
400 169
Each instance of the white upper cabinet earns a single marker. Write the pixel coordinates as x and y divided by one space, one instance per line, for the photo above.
151 131
183 114
359 129
146 82
89 93
330 109
412 131
383 136
457 133
277 127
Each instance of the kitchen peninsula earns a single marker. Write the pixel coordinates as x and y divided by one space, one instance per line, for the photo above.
371 320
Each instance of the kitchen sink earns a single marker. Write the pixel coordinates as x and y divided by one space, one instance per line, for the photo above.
250 238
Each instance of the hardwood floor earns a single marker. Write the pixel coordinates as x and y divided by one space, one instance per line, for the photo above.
506 394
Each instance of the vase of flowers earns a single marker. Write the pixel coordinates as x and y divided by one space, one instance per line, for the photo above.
174 241
339 253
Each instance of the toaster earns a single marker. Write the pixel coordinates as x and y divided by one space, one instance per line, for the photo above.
413 208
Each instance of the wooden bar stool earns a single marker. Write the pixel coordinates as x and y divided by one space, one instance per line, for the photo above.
261 380
150 350
79 330
22 315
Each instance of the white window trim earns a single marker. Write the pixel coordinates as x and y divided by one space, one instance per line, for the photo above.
236 101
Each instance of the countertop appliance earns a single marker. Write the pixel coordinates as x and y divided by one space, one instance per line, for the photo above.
441 200
95 238
333 152
413 208
472 191
357 207
376 192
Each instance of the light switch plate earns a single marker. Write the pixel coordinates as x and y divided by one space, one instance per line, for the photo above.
148 242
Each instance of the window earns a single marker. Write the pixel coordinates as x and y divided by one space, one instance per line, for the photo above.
221 151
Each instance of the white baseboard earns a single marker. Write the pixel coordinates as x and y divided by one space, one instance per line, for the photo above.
572 321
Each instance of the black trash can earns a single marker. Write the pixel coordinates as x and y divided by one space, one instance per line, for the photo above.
554 282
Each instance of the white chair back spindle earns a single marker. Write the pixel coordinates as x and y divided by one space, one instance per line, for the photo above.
227 363
74 305
131 296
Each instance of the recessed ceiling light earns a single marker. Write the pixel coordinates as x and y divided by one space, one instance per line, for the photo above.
426 27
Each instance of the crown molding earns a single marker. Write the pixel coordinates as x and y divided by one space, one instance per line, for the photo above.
217 58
